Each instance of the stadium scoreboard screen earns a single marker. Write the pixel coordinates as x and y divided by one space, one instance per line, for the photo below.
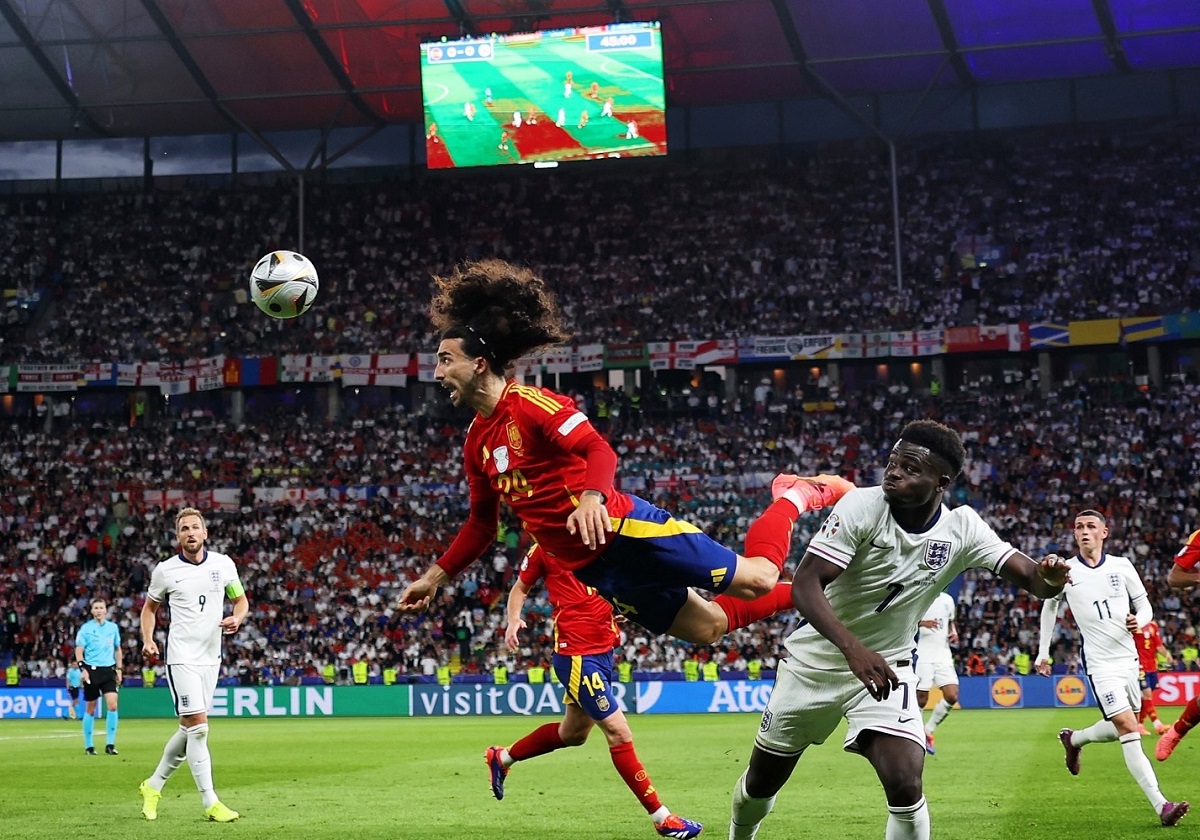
541 97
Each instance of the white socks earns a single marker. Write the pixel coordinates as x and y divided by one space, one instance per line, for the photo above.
908 822
201 764
748 812
172 757
1140 769
1100 732
938 715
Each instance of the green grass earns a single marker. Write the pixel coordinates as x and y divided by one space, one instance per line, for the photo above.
997 775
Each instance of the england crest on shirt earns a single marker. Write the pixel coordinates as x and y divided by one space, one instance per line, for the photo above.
1114 583
937 554
214 581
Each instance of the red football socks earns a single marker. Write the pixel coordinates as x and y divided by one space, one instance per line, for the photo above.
626 761
770 535
741 613
540 741
1189 718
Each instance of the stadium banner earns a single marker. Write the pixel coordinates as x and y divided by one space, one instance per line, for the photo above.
663 698
278 701
222 498
1143 329
1042 336
375 369
1100 331
294 368
625 355
1024 692
558 361
426 362
8 378
588 358
1183 325
488 699
98 375
907 343
46 378
1003 338
1176 688
36 703
190 376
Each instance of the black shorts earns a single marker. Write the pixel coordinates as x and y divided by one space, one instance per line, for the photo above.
73 692
101 680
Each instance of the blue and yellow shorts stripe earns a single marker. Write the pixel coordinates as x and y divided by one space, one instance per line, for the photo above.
651 561
588 681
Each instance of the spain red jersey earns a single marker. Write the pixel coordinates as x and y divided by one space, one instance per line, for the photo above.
533 452
1189 555
1148 641
583 621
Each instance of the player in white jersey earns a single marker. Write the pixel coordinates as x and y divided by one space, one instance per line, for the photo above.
878 562
193 584
1108 602
935 663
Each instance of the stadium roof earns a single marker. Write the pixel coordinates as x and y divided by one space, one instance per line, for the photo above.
122 68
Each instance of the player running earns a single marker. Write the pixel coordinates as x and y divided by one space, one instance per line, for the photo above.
1183 575
584 638
1108 601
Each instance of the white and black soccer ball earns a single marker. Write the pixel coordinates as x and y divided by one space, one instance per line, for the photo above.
284 284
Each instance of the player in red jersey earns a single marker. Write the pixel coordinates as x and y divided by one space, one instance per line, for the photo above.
533 449
1183 575
584 638
1149 645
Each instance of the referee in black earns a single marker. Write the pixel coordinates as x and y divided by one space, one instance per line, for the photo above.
98 655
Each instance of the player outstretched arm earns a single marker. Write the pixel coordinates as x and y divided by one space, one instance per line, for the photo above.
1046 635
812 576
1045 579
1181 578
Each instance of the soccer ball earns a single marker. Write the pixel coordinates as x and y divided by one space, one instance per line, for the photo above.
284 284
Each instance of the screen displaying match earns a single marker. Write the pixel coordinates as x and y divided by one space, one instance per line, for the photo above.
561 95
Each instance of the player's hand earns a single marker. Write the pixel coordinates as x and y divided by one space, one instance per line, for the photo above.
417 596
952 638
1042 666
590 520
230 624
150 650
1054 570
873 671
1131 623
511 641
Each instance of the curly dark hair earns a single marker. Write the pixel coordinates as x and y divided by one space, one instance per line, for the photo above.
499 310
939 439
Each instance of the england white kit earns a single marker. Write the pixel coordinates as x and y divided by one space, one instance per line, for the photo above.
1101 597
195 595
935 662
891 578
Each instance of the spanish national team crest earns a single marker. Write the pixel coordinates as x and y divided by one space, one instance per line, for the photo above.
514 435
937 554
602 703
501 458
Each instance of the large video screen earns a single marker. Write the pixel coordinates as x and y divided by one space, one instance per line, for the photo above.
567 94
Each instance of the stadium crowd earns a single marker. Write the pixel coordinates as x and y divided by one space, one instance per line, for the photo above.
1089 228
323 574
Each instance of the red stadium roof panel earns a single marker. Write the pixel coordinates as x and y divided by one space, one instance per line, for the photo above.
86 68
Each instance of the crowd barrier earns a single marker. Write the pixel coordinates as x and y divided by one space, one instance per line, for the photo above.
522 698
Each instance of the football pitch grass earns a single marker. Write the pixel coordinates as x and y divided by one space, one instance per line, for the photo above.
997 775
